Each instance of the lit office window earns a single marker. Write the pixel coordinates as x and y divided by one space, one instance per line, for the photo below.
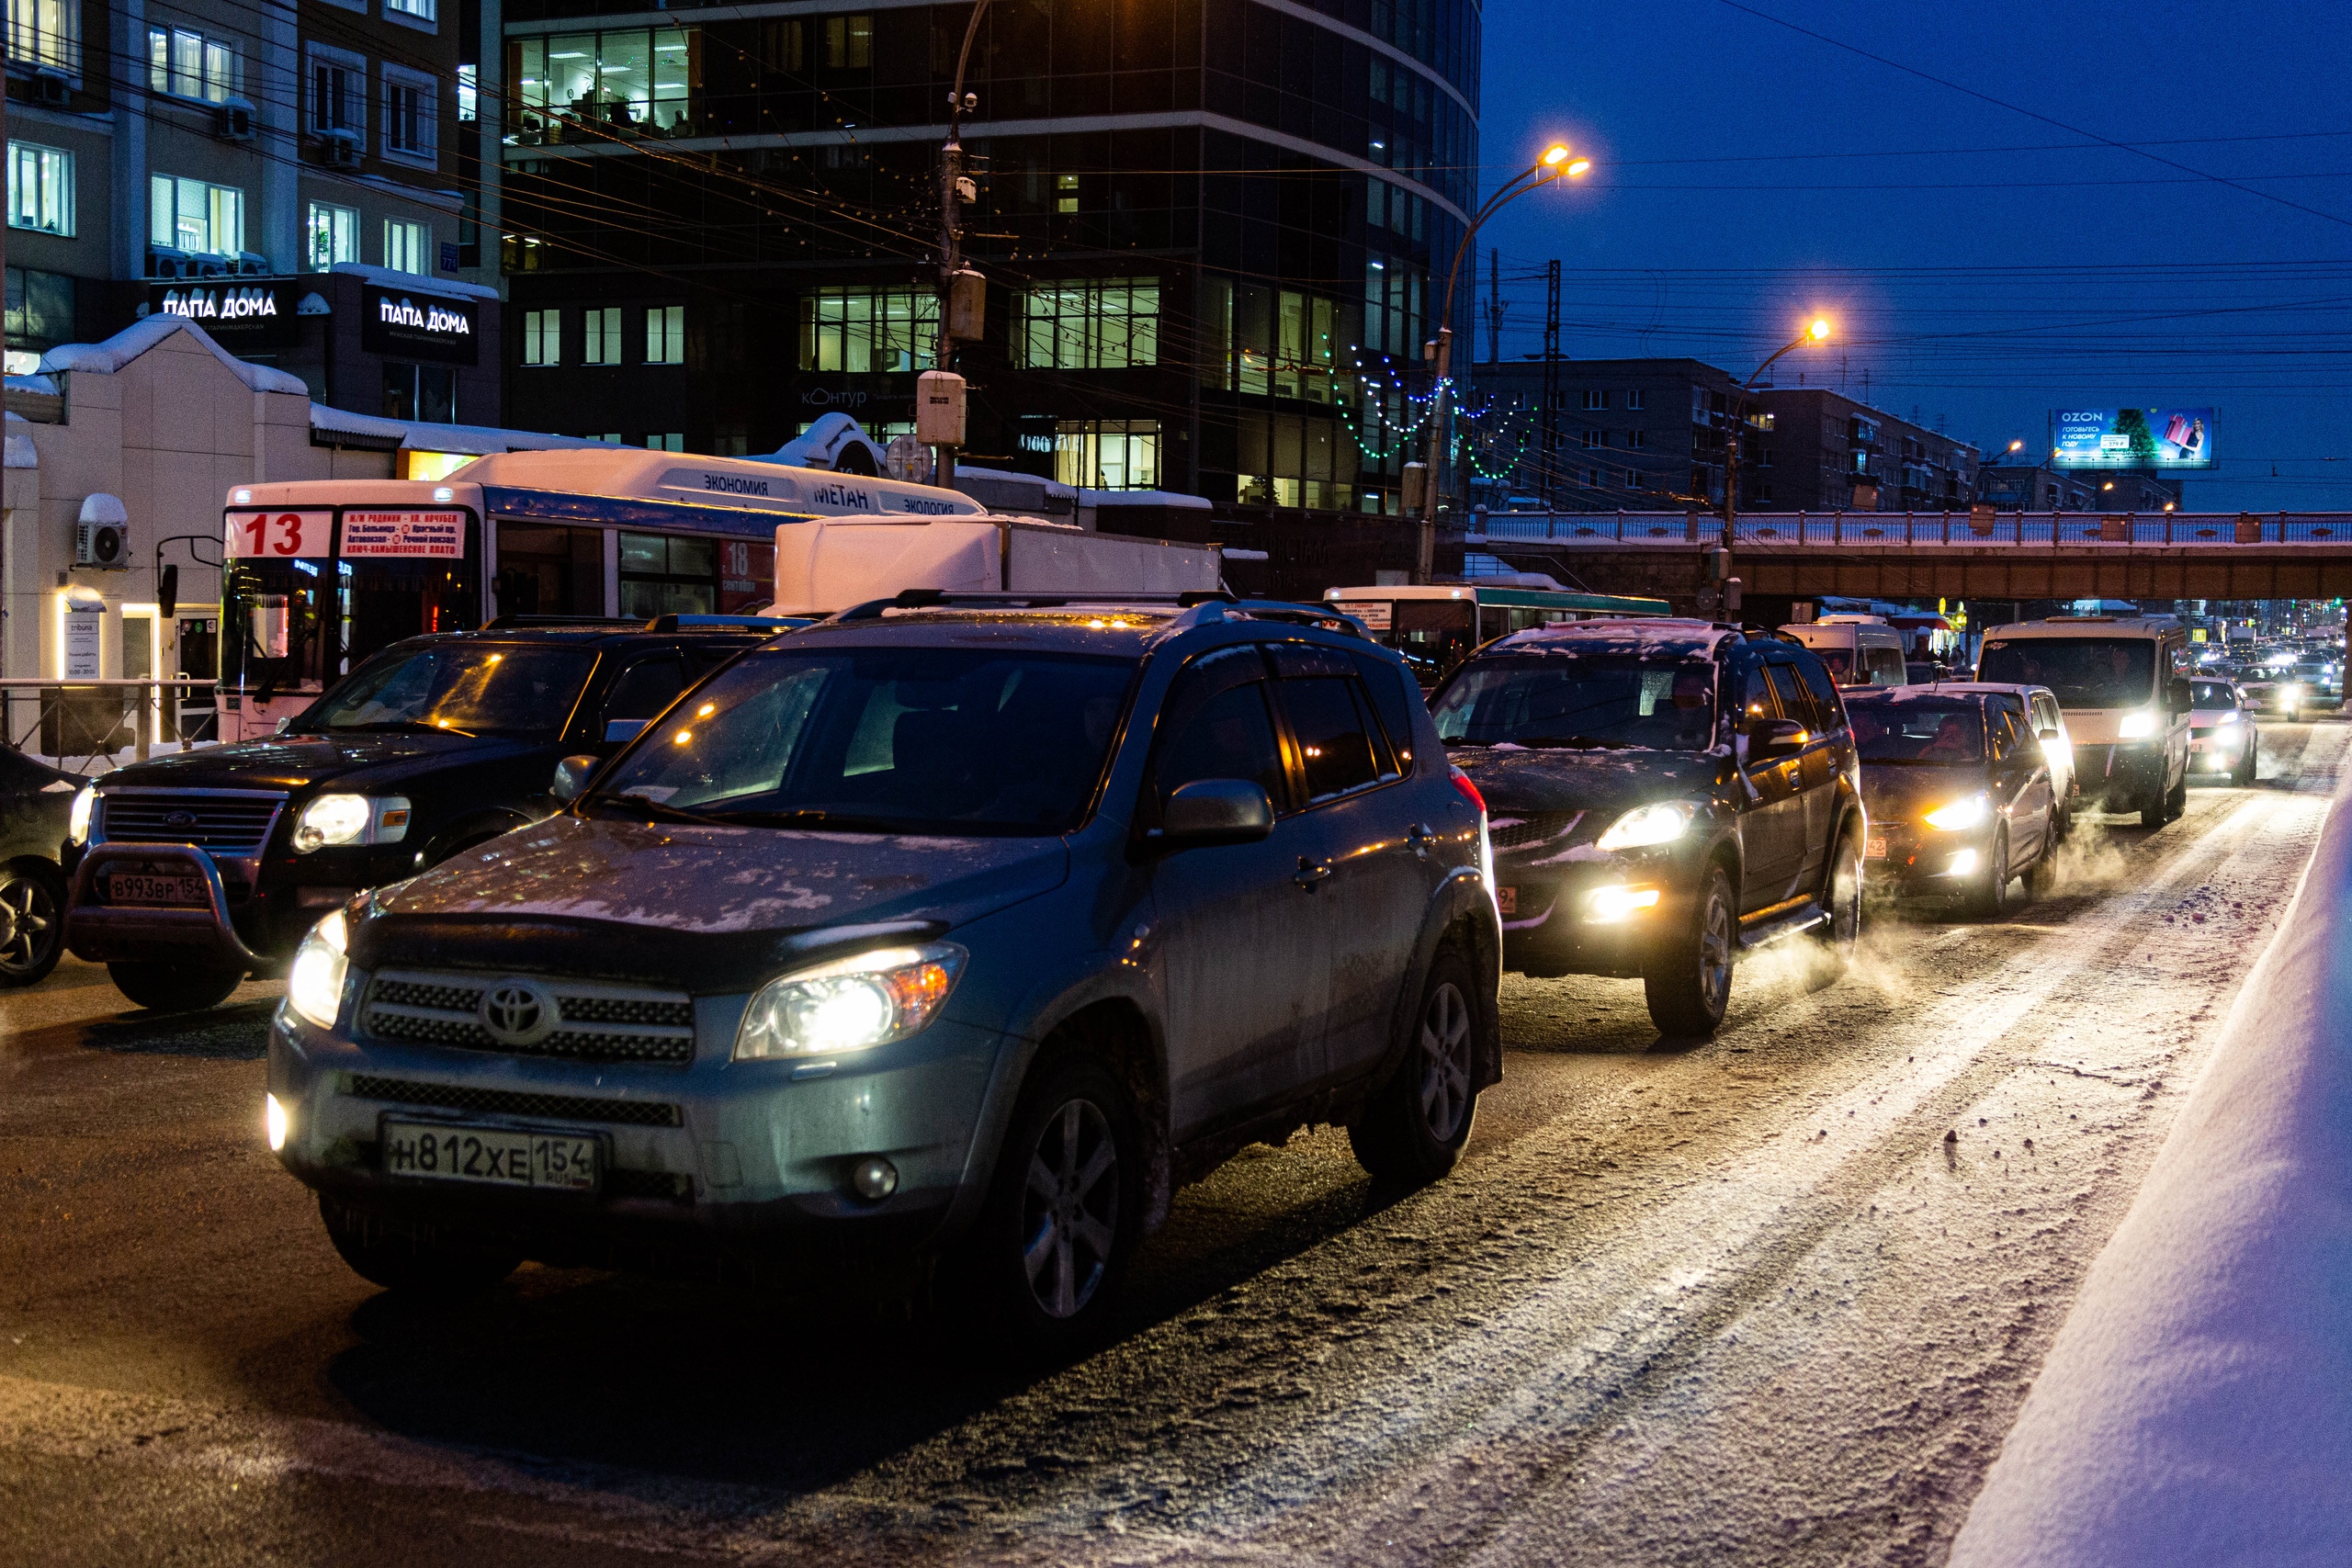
668 441
331 235
1107 454
46 32
586 85
859 331
543 337
603 342
468 93
189 215
41 188
405 244
1093 325
665 334
422 10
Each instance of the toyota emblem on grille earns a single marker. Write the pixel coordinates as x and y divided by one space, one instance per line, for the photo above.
180 819
519 1013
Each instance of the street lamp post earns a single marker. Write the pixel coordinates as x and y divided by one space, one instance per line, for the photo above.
1554 164
1816 332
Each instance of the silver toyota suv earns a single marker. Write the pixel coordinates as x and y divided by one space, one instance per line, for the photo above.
944 929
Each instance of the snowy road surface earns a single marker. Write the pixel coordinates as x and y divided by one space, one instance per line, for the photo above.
1772 1298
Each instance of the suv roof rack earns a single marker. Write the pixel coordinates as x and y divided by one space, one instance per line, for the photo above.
677 623
515 623
1217 599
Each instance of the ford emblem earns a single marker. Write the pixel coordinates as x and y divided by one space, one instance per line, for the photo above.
180 819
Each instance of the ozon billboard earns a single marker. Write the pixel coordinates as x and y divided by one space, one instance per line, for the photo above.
2131 438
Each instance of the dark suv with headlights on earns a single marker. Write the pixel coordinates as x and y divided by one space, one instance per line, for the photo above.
1663 794
1960 797
964 932
191 871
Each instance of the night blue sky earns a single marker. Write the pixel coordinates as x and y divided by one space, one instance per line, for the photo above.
1984 266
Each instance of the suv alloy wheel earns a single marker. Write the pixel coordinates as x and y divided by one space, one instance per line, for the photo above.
1842 890
1990 900
1690 985
1413 1130
32 930
1066 1207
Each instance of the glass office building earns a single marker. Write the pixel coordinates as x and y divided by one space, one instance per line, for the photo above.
1208 227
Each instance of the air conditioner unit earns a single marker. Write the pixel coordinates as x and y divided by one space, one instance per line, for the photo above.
50 90
233 121
102 537
338 149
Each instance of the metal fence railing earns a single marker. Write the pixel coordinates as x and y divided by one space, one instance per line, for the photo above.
2319 530
87 727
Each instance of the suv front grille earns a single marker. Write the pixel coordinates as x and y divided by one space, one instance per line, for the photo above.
510 1102
230 824
1532 828
597 1022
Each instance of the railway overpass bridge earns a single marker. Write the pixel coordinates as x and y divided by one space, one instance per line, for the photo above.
1785 556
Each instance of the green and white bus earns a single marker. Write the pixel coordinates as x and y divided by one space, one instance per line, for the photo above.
1437 627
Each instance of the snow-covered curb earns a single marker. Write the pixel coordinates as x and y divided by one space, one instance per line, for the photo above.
2197 1407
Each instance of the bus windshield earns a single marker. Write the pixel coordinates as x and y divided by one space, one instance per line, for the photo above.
2083 672
474 688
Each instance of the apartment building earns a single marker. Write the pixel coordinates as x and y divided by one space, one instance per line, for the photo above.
204 156
1819 450
1629 434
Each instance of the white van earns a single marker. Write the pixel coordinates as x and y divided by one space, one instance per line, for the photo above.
2119 681
1861 651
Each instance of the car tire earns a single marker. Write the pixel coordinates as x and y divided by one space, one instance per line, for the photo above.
1413 1130
2152 807
176 987
2243 774
1688 987
2176 797
421 1261
1991 899
1066 1209
32 922
1834 941
2042 876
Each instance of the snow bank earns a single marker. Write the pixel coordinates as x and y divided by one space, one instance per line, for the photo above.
2197 1407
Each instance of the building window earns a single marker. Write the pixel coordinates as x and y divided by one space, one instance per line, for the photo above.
665 334
411 110
639 80
1637 439
189 215
663 576
1065 193
46 32
406 245
543 337
1634 398
860 330
41 188
422 10
1393 309
849 43
731 441
1596 398
331 235
1591 438
184 64
1107 454
337 82
602 345
666 441
40 315
425 393
468 93
1108 324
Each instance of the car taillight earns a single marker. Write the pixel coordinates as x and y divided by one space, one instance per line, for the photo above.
1469 790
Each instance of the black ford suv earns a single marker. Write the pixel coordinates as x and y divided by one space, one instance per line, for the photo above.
1663 794
190 872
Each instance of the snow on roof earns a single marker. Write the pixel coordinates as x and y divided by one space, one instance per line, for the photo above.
1635 636
20 451
742 482
417 436
822 444
414 282
1051 487
108 357
1141 498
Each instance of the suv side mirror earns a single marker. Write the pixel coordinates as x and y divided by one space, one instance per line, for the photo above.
1216 811
1769 738
2180 697
572 777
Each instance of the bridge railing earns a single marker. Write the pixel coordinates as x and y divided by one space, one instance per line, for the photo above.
1915 529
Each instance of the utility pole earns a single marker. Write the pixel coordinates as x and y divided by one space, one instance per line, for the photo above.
962 295
1551 379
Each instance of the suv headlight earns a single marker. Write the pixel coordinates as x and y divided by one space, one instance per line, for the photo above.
350 819
1645 825
77 817
1960 814
314 985
2138 726
850 1004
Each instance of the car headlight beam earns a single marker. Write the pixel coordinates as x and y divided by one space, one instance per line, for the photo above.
850 1004
1659 823
337 819
314 983
77 817
2138 725
1960 814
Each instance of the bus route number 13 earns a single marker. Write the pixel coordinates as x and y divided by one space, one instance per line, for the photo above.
278 534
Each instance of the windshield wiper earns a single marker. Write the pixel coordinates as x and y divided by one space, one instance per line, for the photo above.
1574 742
404 726
637 805
811 817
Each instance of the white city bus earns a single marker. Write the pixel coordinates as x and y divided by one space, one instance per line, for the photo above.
322 573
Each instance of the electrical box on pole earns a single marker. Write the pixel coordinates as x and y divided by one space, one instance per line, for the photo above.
1718 565
967 300
939 409
1417 486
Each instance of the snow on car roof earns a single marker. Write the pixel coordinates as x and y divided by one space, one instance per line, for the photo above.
1647 637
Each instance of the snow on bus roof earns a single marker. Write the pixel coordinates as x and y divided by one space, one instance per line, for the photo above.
747 483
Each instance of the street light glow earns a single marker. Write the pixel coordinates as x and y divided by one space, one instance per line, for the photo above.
1578 167
1555 155
1819 331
